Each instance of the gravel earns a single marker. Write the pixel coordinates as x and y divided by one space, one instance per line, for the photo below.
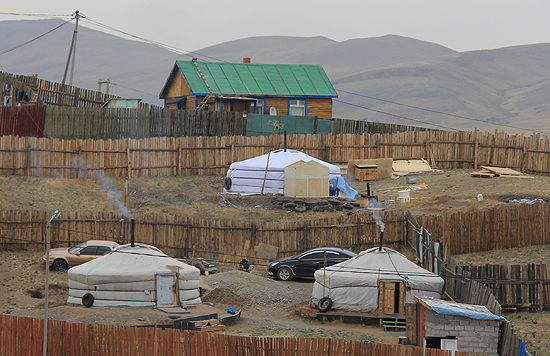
265 291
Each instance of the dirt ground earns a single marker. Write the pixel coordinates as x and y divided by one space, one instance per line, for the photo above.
22 273
451 191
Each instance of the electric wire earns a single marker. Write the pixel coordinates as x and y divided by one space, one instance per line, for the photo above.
34 39
440 112
398 116
156 43
36 15
136 90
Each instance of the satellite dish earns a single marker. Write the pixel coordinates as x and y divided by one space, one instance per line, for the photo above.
272 111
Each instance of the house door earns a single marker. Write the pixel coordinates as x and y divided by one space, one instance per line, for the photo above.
166 284
391 297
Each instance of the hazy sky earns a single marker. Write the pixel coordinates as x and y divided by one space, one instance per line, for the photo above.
190 25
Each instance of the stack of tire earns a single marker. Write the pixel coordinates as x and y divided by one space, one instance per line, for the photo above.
301 206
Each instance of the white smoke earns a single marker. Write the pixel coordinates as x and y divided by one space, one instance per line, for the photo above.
113 194
376 213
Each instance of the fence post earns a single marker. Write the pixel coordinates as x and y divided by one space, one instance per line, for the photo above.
78 162
327 153
129 175
28 168
179 161
523 158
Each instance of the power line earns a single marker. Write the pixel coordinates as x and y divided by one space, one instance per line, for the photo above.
398 116
156 43
34 39
139 91
36 15
441 112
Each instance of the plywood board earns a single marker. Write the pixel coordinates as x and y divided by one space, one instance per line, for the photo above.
384 166
417 165
501 171
306 179
483 173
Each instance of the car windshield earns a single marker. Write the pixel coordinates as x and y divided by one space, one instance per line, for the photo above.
75 249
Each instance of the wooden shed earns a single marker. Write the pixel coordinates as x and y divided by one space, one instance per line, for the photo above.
306 179
291 89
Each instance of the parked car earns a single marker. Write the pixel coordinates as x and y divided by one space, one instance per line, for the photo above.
63 258
201 264
305 264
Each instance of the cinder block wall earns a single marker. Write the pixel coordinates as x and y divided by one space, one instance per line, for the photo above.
473 335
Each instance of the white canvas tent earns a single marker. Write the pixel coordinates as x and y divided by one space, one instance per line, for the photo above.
139 276
247 177
375 281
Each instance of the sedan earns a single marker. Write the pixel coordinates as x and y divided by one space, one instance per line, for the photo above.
63 258
305 264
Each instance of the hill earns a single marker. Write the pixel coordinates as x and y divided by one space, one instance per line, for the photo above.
507 86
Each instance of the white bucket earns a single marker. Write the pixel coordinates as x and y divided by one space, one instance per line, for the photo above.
404 196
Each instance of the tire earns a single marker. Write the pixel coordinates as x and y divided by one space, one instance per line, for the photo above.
227 183
284 274
325 304
88 300
60 265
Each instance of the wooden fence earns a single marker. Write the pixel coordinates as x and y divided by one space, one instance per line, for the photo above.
104 123
45 92
166 156
218 240
24 336
515 286
502 227
22 121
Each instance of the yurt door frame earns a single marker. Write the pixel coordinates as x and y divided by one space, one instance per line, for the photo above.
166 285
391 297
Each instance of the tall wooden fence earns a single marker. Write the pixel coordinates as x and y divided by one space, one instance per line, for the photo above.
24 336
515 286
45 92
166 156
218 240
502 227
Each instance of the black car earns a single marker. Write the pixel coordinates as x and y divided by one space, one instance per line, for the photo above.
305 264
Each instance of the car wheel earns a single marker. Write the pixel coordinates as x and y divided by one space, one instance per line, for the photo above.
60 265
325 304
88 300
284 274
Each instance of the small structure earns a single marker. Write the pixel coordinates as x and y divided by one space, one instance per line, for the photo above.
306 179
266 173
454 326
122 103
377 281
366 171
287 89
139 276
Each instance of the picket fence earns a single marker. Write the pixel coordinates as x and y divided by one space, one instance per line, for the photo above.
20 336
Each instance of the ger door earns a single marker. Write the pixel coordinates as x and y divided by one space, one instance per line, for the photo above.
166 284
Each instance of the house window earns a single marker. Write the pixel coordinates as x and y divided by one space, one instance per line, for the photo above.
297 107
260 107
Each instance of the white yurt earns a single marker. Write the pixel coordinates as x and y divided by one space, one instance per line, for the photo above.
247 177
139 276
375 281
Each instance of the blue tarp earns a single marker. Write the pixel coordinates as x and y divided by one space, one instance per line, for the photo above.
340 183
476 312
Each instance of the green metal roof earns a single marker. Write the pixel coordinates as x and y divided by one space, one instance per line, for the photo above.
251 79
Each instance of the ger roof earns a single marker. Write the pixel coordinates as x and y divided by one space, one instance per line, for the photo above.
252 79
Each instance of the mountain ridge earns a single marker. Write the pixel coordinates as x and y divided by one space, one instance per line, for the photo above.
507 85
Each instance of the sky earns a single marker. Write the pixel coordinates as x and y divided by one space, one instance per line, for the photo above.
191 25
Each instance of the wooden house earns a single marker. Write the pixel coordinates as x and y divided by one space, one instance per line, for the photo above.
277 89
306 179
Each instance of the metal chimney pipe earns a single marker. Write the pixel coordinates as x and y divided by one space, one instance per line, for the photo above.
381 240
285 142
368 189
133 233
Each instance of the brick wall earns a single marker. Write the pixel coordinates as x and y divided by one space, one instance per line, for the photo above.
480 336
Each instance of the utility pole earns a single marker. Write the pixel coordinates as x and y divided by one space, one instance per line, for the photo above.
72 52
48 227
106 82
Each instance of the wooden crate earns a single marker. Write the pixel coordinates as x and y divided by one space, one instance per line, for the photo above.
366 171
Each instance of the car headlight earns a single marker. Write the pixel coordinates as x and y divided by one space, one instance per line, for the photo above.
273 264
